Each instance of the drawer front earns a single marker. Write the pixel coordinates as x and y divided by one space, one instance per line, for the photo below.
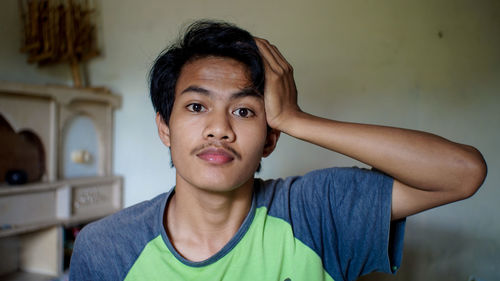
25 209
91 201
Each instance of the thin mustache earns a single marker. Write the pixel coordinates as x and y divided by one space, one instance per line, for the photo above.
199 148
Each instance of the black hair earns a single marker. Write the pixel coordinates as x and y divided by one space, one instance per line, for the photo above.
203 38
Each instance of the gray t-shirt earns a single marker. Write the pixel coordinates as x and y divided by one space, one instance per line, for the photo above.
331 224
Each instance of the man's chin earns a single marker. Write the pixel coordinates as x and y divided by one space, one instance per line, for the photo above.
220 185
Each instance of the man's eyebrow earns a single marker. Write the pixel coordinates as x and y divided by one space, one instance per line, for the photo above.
196 89
247 92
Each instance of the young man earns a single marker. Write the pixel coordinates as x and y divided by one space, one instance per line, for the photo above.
222 98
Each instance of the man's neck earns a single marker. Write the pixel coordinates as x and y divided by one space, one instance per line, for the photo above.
200 222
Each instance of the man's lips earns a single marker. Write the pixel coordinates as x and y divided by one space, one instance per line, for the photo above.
215 155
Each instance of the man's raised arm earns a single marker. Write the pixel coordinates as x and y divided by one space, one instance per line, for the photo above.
428 170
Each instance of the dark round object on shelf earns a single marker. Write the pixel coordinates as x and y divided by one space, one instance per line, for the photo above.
16 177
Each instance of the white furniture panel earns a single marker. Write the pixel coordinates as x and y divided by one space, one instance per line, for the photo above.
33 215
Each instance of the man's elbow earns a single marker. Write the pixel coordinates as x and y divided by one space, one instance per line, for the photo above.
475 171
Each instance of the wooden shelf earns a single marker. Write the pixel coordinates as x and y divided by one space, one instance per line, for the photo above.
68 202
25 276
42 186
62 94
25 229
33 216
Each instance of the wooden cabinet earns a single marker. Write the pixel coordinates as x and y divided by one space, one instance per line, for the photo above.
33 216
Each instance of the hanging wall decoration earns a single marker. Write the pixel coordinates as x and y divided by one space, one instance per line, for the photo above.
58 31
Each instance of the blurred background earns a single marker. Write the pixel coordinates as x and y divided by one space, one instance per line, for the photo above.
425 65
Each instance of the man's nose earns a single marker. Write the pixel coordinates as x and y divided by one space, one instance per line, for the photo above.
219 127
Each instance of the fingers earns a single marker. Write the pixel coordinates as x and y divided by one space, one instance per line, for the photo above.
272 57
267 56
280 94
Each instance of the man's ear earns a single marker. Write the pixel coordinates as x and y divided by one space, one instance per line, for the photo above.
271 141
163 130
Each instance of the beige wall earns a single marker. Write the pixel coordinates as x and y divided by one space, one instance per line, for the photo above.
363 61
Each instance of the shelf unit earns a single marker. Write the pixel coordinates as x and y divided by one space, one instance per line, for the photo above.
33 216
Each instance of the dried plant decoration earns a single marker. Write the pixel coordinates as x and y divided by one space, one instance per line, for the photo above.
58 31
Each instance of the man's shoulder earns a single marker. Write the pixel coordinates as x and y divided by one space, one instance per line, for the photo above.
332 174
134 221
109 247
313 187
345 204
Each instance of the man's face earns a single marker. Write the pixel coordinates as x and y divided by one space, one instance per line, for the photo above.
218 130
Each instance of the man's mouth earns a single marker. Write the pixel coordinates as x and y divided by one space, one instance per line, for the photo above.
215 155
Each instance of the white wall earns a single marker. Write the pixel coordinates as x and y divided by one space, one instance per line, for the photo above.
377 62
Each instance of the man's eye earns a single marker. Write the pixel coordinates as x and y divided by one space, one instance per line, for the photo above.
243 112
195 107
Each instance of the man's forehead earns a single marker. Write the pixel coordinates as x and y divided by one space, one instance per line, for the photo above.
210 62
211 75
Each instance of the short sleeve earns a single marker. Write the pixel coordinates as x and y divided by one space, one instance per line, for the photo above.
344 215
